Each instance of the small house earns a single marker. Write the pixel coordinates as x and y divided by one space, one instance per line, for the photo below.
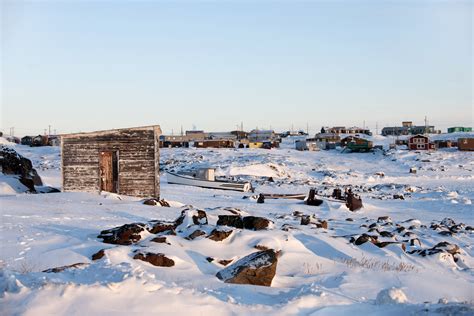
301 145
420 142
443 143
40 140
173 141
54 140
27 140
124 161
215 143
458 129
466 144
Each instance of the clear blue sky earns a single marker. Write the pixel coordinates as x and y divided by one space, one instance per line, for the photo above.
82 66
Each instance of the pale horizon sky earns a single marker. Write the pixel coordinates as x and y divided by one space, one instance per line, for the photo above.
92 65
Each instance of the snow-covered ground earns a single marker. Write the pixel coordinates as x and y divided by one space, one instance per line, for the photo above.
319 271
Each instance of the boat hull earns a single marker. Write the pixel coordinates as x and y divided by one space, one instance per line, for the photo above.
220 185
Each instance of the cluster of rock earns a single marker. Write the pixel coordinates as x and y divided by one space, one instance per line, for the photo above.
257 268
12 163
404 235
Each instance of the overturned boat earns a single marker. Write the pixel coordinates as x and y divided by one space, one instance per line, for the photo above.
205 178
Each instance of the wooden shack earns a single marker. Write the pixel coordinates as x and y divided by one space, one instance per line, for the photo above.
123 161
466 144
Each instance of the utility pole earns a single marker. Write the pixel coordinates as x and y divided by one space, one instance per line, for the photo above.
307 128
182 130
49 130
376 128
426 124
241 126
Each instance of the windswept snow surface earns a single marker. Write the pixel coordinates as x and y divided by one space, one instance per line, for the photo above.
319 271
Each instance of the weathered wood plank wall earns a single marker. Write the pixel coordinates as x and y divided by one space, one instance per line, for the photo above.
138 160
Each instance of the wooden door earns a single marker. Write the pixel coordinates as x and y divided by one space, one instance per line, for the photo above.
108 169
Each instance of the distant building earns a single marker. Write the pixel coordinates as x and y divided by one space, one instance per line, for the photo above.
40 140
196 135
257 135
222 136
167 141
346 130
459 129
214 143
357 144
395 131
27 140
420 142
408 128
466 144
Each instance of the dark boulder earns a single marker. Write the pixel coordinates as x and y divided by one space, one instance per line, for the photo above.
156 259
123 235
197 233
98 255
160 240
255 223
230 220
12 163
362 239
200 218
258 268
156 227
219 235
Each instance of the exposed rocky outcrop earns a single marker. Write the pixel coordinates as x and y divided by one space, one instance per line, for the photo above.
156 259
230 220
219 235
98 255
255 223
257 268
12 163
123 235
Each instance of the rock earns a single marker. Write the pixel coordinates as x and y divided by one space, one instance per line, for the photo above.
123 235
219 235
209 259
260 247
386 234
398 197
384 219
391 296
156 259
362 239
349 219
322 224
151 202
383 244
225 262
61 269
305 220
196 234
200 218
261 199
98 255
160 240
12 163
255 223
230 220
447 247
257 268
157 227
448 222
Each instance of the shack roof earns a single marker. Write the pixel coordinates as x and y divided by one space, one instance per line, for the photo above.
156 128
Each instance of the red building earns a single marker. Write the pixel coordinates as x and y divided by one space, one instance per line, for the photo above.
420 142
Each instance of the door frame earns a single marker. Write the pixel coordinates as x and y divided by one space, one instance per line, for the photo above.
116 155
